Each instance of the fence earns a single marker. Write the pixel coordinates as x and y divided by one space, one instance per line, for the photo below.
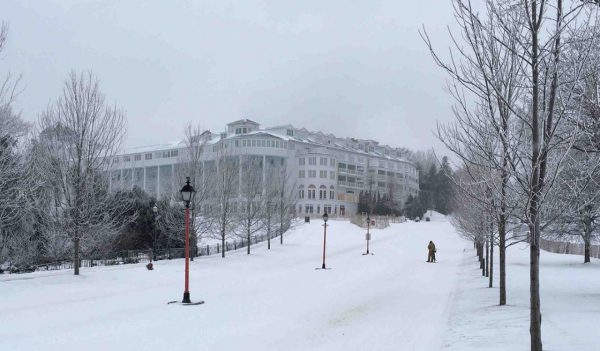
568 248
380 221
143 256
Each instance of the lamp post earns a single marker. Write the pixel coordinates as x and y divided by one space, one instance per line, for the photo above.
325 218
187 195
155 210
368 237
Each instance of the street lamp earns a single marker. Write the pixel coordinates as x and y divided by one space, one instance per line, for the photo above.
325 218
187 195
368 237
155 210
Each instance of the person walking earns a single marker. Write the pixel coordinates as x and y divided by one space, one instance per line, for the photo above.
431 249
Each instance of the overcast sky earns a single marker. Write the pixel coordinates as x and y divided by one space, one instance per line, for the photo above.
352 68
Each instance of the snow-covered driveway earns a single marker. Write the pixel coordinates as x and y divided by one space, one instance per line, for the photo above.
392 300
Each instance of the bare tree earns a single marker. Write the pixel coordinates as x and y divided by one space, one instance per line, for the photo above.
286 199
576 218
14 173
486 84
270 199
80 134
191 164
224 173
250 213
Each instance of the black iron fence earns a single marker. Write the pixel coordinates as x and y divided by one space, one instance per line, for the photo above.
143 256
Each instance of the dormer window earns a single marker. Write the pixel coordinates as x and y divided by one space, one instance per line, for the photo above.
290 132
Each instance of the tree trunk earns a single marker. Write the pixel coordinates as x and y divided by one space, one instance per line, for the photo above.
76 255
535 322
535 309
269 233
587 248
281 232
491 261
249 241
502 254
223 243
487 258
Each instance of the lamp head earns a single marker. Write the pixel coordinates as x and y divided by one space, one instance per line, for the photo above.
187 192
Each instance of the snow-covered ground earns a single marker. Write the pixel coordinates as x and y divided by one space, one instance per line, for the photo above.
570 298
392 300
276 300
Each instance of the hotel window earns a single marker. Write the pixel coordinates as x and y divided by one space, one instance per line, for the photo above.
301 174
332 162
322 192
148 156
290 132
263 143
322 174
323 161
253 143
312 190
308 209
137 157
331 193
332 175
312 173
301 161
127 158
312 161
116 159
301 192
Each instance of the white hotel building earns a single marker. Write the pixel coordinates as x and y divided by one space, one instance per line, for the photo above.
327 172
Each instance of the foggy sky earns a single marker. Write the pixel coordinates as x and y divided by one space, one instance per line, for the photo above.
355 69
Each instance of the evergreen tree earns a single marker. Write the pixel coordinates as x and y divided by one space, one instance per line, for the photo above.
443 188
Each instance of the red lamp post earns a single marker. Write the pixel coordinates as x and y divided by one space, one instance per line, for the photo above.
368 236
325 218
187 195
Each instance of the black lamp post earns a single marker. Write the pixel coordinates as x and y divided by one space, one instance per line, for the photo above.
325 218
155 210
187 195
368 233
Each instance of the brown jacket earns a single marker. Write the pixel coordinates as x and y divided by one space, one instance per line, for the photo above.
431 247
